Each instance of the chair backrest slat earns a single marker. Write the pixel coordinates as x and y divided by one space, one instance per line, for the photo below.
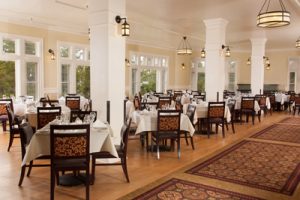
46 115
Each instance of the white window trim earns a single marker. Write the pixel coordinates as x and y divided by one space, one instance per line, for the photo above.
72 61
20 60
140 68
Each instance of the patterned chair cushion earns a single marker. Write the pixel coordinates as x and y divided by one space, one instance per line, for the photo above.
3 109
168 123
216 112
247 104
73 104
70 146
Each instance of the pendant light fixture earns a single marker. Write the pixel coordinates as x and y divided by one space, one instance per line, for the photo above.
227 50
275 18
184 47
298 43
203 53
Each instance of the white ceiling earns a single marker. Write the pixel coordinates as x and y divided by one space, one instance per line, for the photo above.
162 23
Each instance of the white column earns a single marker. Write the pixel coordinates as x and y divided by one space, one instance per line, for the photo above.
257 64
215 59
107 48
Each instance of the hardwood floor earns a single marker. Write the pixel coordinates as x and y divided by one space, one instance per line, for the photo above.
110 181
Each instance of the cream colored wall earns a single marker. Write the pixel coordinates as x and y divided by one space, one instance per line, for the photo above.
50 39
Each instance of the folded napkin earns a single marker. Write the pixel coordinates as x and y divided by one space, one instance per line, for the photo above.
100 125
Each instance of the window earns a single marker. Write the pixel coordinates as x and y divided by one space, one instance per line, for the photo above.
148 73
230 76
292 81
75 69
31 84
21 64
7 78
198 74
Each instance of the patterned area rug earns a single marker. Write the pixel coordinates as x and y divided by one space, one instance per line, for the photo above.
291 120
180 189
272 167
280 132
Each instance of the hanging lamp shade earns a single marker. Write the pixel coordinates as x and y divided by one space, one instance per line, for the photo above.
184 47
298 43
275 18
203 53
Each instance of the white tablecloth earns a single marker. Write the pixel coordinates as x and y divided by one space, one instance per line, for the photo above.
281 98
202 110
147 121
100 140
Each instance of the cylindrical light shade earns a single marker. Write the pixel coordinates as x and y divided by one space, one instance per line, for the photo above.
227 52
125 29
273 19
203 53
184 47
298 43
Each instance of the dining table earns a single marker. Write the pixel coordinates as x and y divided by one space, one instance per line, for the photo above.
100 140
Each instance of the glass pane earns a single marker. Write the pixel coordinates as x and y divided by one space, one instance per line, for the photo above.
134 81
7 78
31 89
292 77
149 61
201 82
143 60
83 81
31 71
64 52
148 80
9 46
231 81
79 53
134 60
64 89
30 48
65 73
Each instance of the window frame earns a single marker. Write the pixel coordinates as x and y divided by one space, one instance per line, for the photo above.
21 59
73 62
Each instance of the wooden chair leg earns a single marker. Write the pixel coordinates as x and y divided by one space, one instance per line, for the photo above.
93 170
186 138
4 125
223 130
178 145
232 126
11 139
30 167
52 184
192 142
23 169
124 166
87 183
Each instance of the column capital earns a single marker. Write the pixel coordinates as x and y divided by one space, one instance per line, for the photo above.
215 23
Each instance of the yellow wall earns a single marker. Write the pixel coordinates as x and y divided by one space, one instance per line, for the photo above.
50 39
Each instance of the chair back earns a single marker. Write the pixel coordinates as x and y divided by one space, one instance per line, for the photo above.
137 103
26 133
73 102
11 117
88 105
191 112
195 92
216 110
158 94
81 115
247 103
261 99
231 105
297 100
3 103
124 136
178 106
168 121
272 98
177 95
199 98
163 101
148 105
46 115
70 142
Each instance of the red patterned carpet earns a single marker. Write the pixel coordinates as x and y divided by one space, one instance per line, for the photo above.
180 189
291 120
272 167
280 132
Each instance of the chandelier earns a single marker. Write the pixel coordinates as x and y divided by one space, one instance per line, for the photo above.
270 19
184 47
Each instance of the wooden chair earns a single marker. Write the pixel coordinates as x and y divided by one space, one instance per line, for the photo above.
163 101
168 127
215 115
70 151
137 103
231 106
291 101
73 102
14 123
199 98
262 101
247 107
177 95
3 112
297 104
190 113
46 115
47 100
26 133
81 115
122 153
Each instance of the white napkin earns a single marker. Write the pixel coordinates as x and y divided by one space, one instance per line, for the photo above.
99 125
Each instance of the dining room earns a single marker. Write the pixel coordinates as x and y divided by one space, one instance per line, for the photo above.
173 93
